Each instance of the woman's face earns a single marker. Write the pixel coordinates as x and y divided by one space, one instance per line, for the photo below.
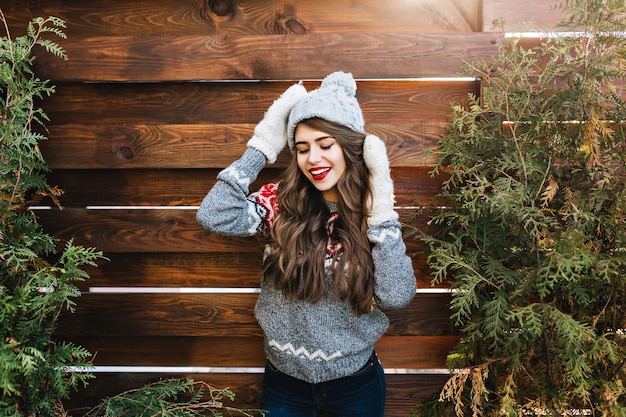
321 160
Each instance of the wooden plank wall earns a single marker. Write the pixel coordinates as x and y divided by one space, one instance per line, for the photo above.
158 96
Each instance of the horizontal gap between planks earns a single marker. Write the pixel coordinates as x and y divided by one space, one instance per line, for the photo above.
241 81
124 207
541 35
212 290
163 207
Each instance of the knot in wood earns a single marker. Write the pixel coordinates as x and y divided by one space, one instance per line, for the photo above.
221 8
125 152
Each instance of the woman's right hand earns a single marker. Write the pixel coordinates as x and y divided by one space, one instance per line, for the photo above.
270 135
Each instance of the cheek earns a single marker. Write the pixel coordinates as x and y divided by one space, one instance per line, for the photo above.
340 163
341 171
301 161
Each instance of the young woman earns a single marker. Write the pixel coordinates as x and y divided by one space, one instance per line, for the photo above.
334 253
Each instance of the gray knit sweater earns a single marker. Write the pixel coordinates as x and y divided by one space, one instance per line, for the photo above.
314 342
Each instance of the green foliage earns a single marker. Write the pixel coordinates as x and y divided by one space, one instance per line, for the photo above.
533 232
37 283
167 399
34 289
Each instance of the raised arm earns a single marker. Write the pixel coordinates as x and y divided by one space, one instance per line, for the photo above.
395 277
226 209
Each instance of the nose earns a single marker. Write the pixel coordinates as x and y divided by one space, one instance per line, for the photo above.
315 154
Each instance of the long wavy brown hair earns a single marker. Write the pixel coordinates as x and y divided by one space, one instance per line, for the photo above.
298 240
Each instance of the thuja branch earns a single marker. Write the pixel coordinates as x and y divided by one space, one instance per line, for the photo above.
532 229
164 398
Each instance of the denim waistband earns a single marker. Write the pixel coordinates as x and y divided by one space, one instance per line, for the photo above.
371 361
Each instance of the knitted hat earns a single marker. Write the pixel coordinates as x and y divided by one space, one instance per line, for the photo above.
334 100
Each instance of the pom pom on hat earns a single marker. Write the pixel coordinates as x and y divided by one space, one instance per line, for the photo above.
343 80
335 101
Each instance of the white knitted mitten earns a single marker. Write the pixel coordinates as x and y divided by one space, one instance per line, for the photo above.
375 156
270 135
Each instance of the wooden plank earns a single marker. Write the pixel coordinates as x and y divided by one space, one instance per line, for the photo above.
177 270
258 57
211 314
156 230
196 270
234 103
139 230
81 146
108 17
226 315
404 392
140 187
427 315
187 187
204 351
520 15
423 273
471 13
405 352
415 352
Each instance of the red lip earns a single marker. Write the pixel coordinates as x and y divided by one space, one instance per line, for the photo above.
319 173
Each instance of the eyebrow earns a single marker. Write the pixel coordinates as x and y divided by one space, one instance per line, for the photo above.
316 139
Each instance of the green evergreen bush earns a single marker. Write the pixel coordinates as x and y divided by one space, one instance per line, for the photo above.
531 231
34 369
37 283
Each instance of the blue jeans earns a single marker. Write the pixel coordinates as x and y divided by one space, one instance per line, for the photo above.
361 394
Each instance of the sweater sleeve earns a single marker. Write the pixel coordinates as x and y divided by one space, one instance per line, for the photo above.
226 209
393 269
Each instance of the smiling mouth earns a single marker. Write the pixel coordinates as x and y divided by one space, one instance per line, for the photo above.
319 174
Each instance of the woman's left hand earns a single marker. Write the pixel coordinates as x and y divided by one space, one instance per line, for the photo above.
375 156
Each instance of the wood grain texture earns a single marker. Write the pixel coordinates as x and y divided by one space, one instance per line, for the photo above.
158 230
235 103
404 392
176 270
203 145
224 315
265 17
139 230
410 352
258 57
187 187
197 270
207 125
531 15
